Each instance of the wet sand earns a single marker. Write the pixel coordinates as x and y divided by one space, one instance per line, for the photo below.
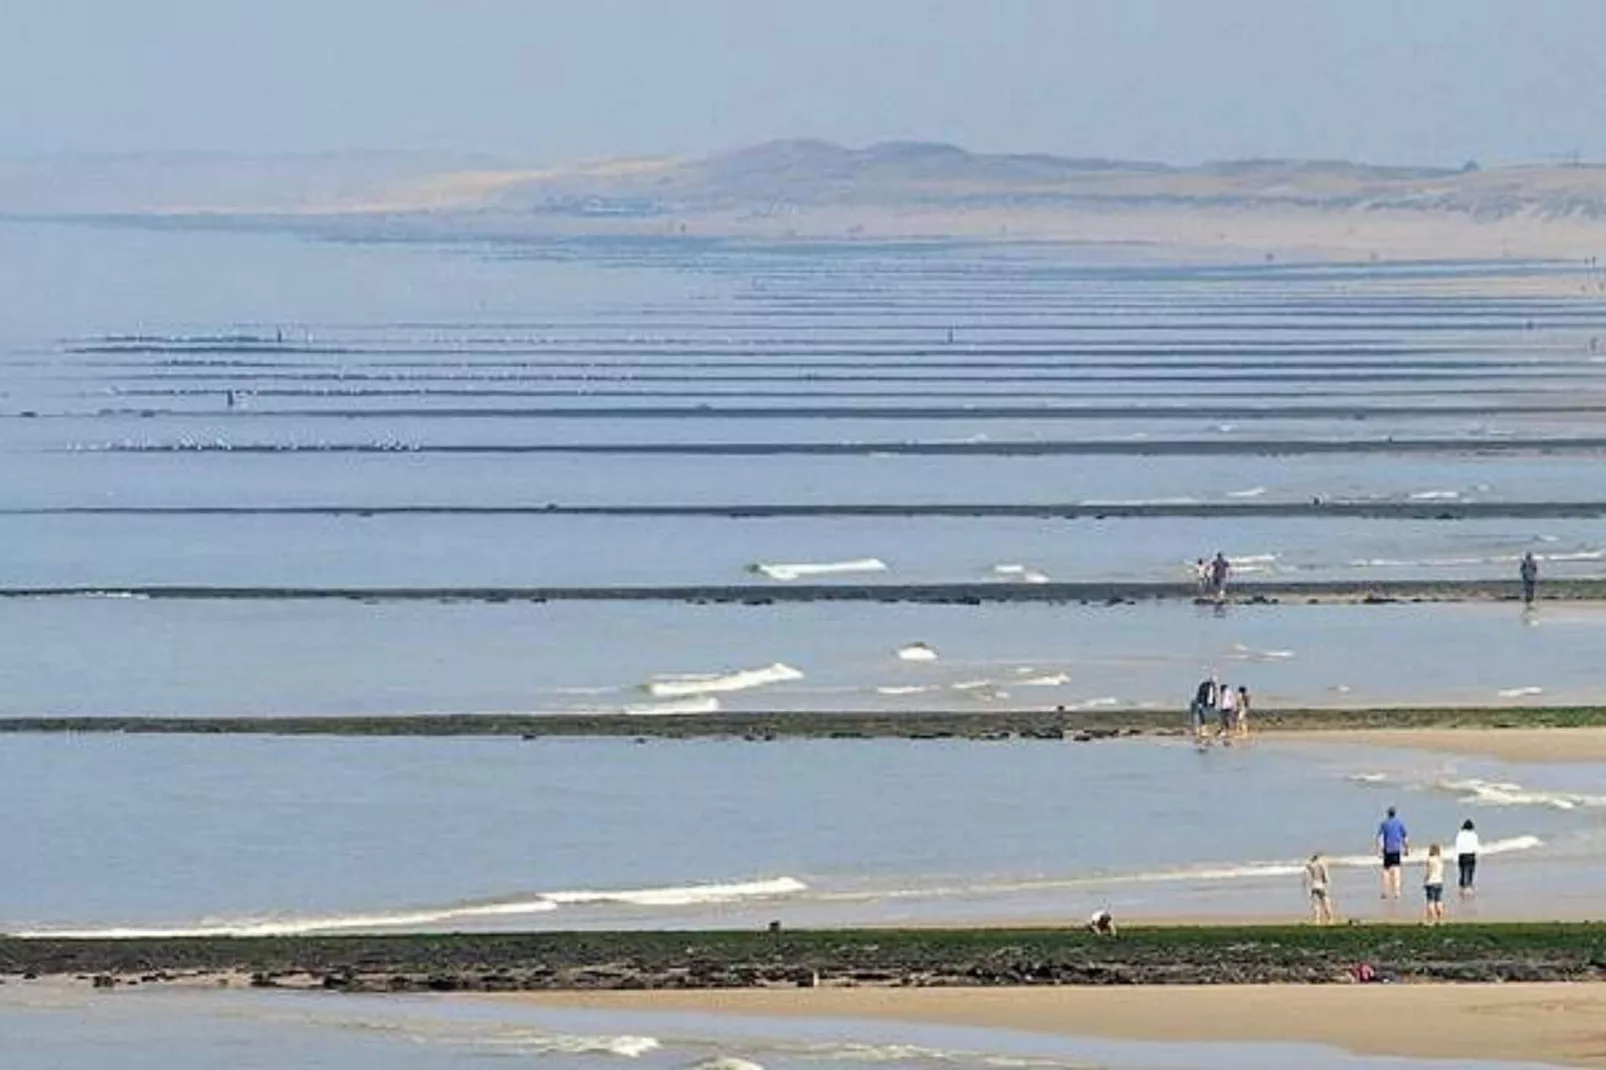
1563 1024
1506 744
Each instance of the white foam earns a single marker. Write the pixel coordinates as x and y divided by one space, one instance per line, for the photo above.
1435 495
1505 793
917 652
1053 679
678 707
688 895
821 568
1248 492
625 1046
741 680
906 689
538 903
1021 573
1520 692
1244 653
971 685
1096 703
726 1062
299 926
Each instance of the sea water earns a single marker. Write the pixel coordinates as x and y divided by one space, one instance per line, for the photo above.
265 835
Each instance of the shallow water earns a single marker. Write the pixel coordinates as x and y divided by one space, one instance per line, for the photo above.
89 656
68 1029
296 834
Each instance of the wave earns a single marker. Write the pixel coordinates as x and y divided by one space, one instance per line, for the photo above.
688 895
1248 492
906 689
1462 562
1435 495
822 568
678 707
1244 653
1206 872
531 1043
702 684
1505 793
1520 692
917 652
537 903
1022 573
1053 679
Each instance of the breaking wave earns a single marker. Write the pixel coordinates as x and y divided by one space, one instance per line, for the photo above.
823 568
706 683
538 903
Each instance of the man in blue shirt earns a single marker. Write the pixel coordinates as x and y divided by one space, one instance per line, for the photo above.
1393 845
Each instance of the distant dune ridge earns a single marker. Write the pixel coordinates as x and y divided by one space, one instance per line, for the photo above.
816 190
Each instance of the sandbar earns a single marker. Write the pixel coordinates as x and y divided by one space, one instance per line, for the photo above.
1584 744
1563 1024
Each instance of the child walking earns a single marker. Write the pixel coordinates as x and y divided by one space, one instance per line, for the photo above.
1433 885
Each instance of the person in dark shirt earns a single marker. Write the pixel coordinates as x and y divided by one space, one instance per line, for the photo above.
1529 571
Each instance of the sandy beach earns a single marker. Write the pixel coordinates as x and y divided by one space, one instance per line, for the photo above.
1554 1023
1506 744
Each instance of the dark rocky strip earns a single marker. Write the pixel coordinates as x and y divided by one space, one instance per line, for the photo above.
916 958
1285 373
1190 413
764 594
1571 444
1354 510
1082 726
877 359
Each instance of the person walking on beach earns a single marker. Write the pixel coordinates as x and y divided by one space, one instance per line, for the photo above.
1201 576
1393 845
1466 858
1220 570
1204 703
1226 712
1529 571
1319 886
1241 721
1433 885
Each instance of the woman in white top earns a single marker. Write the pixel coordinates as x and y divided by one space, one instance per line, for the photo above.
1466 857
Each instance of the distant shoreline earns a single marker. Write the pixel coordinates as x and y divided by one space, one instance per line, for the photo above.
973 725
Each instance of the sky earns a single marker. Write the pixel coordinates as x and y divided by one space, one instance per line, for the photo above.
546 81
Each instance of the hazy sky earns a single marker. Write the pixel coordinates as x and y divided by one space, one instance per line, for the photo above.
546 80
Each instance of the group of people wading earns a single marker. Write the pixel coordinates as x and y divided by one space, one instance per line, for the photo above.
1219 709
1393 848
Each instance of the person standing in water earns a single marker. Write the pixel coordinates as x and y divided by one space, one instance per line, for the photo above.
1433 885
1204 703
1393 844
1220 570
1241 720
1529 571
1466 858
1319 886
1227 712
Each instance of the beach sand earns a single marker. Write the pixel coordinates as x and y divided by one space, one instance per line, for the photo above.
1564 1024
1506 744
